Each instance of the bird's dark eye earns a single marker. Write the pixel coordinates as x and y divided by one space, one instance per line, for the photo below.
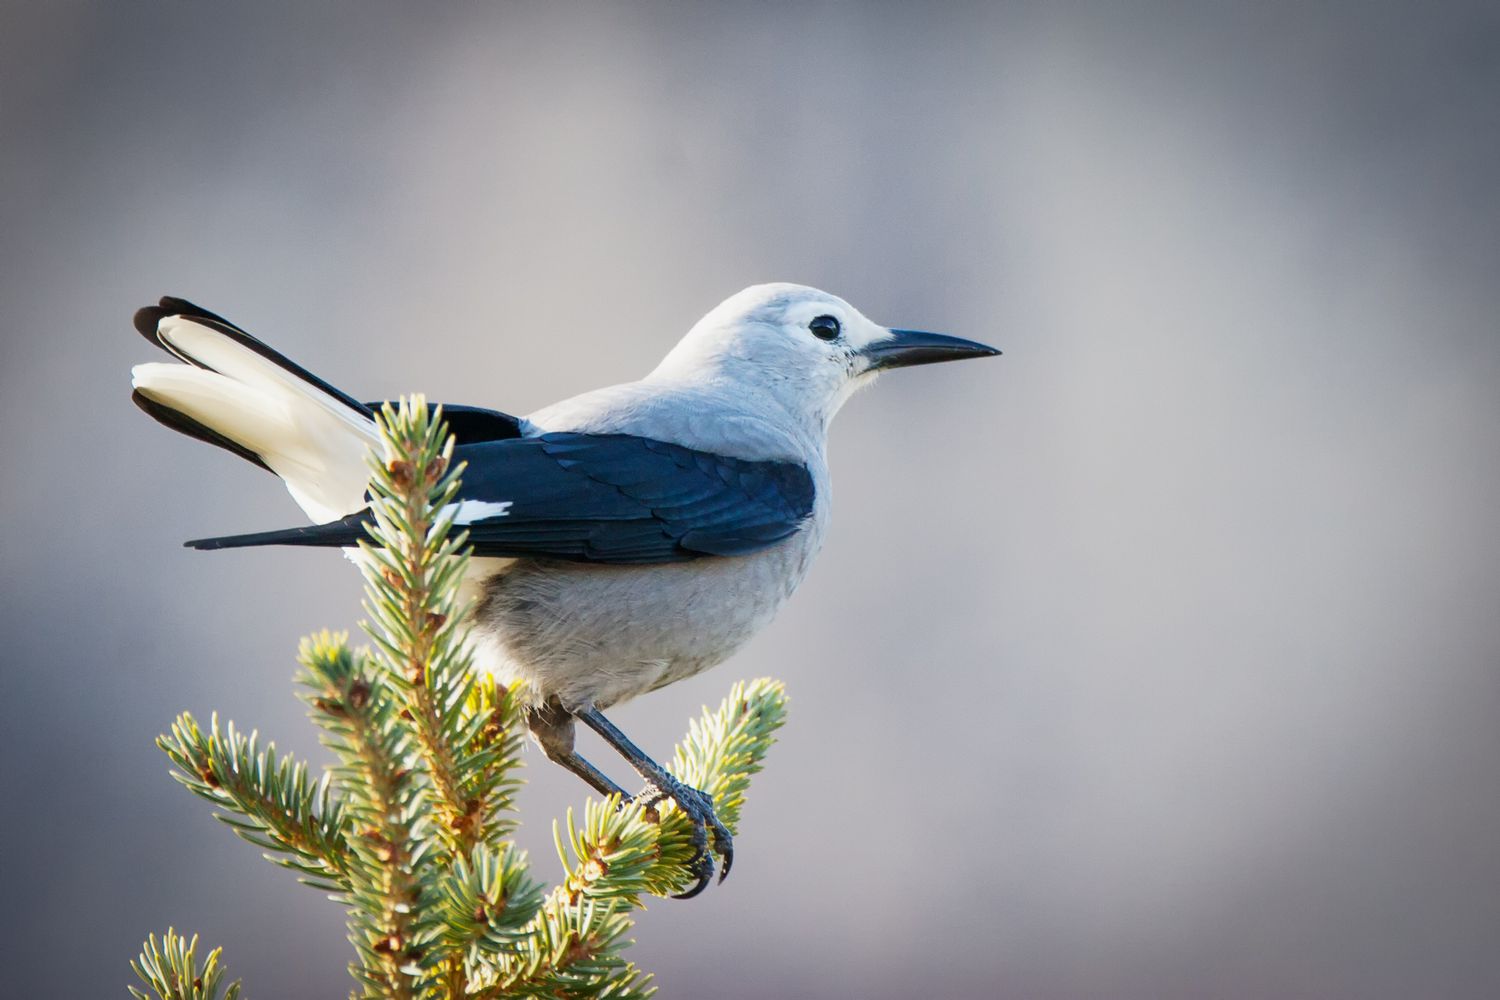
825 328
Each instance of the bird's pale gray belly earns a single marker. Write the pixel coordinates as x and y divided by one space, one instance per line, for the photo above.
598 635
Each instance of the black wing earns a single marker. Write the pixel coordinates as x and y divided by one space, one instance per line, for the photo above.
606 498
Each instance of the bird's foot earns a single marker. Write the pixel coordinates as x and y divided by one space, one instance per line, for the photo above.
698 807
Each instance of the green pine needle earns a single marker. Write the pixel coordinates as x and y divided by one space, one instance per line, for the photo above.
270 801
170 968
622 853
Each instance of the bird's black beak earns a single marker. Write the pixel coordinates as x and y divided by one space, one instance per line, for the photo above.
913 347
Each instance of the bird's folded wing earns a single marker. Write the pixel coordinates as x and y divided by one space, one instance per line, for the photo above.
606 498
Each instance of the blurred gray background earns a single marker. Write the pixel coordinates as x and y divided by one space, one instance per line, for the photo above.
1159 658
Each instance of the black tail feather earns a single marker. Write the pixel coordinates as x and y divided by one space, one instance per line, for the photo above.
342 534
148 320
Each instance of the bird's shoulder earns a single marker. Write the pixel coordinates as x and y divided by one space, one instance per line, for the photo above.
709 419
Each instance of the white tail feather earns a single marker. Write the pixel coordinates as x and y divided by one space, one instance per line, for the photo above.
314 442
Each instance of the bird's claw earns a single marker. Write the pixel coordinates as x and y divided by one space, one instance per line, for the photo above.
698 807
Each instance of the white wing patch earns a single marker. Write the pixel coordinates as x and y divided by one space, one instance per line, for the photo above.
470 511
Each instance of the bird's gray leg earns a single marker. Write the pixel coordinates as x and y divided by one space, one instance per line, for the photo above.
697 806
552 728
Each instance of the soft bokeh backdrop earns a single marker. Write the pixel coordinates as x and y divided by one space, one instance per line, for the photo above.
1159 658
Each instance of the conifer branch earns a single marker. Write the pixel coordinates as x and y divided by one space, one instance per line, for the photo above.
724 748
459 727
170 968
412 570
571 949
496 739
622 852
409 827
358 716
489 900
269 801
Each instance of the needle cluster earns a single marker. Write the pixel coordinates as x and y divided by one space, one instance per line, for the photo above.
409 828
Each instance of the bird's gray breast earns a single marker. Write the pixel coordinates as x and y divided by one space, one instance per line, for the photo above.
596 635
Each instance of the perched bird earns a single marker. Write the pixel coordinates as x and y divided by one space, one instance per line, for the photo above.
622 539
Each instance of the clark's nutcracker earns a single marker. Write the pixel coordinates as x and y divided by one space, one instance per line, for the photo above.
623 539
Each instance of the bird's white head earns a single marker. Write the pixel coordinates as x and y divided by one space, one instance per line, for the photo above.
800 348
